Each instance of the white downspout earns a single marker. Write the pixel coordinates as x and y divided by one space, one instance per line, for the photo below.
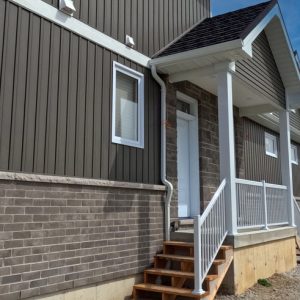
163 174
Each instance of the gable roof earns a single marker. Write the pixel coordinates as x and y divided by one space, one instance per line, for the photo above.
219 29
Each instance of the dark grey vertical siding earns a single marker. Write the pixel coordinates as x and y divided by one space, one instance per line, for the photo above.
296 174
55 104
152 23
261 71
258 165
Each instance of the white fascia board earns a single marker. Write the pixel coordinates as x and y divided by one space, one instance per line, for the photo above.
54 15
251 37
201 52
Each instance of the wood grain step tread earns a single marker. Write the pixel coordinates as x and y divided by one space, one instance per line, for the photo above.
165 272
226 247
179 244
219 261
176 257
168 290
211 277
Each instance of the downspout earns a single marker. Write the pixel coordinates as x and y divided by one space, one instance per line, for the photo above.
163 152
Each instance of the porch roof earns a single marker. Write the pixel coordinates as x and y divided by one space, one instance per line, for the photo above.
219 29
229 38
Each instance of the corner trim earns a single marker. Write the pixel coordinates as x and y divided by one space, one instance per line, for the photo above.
26 177
54 15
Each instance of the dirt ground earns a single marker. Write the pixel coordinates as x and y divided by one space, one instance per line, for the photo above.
284 287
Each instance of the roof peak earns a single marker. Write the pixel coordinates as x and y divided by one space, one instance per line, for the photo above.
219 29
262 4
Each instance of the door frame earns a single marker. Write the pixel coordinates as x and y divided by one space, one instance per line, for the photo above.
194 165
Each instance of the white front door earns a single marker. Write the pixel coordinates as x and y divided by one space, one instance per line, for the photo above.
187 157
183 168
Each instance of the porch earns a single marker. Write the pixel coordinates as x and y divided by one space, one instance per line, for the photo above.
251 67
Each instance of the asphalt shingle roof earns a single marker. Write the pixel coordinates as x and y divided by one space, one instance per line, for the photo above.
219 29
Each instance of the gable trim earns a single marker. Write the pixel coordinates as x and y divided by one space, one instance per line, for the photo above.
54 15
251 37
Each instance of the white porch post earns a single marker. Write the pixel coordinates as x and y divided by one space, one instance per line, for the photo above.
227 143
286 163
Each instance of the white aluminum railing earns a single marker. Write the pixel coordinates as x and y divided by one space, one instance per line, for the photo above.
297 215
209 234
261 204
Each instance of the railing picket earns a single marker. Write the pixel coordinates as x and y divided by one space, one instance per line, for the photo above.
209 234
261 204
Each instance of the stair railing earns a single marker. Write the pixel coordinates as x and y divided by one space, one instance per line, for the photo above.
209 234
297 216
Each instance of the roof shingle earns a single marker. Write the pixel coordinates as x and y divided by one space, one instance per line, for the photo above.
219 29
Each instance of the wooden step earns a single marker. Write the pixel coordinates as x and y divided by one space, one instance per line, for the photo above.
175 257
226 247
219 262
179 244
169 273
168 290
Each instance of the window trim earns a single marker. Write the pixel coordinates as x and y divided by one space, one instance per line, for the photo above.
274 138
295 162
117 67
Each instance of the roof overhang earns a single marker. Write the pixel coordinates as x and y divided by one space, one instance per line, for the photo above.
235 50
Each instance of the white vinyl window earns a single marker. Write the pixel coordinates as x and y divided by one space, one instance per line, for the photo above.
128 106
294 154
271 145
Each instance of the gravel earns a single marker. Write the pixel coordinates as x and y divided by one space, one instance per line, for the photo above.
284 287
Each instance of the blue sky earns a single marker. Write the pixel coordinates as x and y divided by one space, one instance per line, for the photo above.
290 10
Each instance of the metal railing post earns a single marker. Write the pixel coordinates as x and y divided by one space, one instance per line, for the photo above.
197 257
265 204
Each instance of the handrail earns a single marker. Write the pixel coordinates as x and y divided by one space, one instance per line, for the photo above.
209 234
261 204
260 183
213 201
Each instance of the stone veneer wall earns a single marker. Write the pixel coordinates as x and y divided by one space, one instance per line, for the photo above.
55 236
208 141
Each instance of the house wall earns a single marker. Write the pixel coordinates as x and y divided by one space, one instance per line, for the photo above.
208 140
251 161
55 102
55 237
257 164
261 71
152 23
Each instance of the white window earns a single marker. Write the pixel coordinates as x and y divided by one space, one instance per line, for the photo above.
294 154
271 145
128 106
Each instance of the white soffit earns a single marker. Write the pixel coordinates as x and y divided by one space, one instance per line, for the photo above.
52 14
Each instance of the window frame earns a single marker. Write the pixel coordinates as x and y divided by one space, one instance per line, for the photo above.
117 67
274 139
295 162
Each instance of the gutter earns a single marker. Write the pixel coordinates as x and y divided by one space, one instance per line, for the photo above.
163 152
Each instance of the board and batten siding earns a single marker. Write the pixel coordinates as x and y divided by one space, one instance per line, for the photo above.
56 101
261 71
152 23
260 166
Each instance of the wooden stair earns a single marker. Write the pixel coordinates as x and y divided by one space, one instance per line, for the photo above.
172 277
297 250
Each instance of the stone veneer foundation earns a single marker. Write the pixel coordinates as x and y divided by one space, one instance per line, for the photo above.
61 233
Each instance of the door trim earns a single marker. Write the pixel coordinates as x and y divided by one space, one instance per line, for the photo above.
194 165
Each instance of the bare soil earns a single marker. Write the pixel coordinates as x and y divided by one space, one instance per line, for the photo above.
284 287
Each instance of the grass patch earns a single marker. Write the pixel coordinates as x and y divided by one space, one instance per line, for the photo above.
264 282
